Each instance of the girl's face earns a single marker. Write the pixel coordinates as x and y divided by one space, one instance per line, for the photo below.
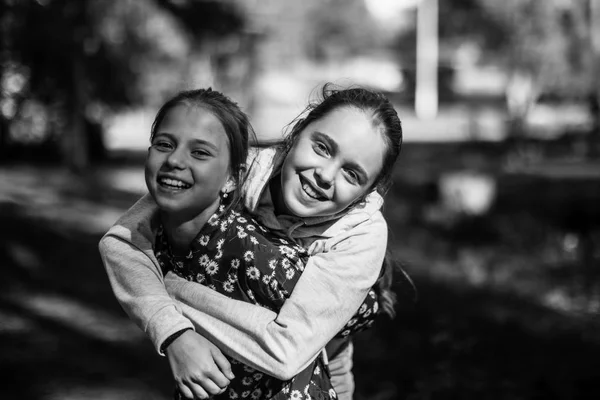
332 163
188 161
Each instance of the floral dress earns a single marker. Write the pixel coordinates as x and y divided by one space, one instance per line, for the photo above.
236 256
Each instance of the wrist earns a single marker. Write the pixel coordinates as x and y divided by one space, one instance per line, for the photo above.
171 339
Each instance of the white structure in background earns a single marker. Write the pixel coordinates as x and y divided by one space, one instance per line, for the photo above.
426 90
389 12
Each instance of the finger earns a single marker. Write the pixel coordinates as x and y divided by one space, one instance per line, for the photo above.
223 365
204 387
185 392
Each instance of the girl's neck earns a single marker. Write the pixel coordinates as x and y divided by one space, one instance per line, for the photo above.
182 230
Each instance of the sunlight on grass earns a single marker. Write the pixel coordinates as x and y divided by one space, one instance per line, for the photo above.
131 391
79 317
14 324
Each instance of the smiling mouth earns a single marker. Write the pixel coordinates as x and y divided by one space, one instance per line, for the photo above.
311 192
170 183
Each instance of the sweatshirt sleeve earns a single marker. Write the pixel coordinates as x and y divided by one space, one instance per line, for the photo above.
327 295
136 278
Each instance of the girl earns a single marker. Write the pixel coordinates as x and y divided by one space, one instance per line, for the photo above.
321 190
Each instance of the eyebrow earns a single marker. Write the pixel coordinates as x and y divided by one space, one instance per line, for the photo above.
196 141
336 148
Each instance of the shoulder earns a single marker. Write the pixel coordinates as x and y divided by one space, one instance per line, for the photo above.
366 216
137 225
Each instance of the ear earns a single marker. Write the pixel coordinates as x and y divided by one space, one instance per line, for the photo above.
229 186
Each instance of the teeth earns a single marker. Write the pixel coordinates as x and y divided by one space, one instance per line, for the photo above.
174 182
311 192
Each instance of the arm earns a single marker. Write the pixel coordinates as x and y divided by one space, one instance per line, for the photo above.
329 292
139 287
136 278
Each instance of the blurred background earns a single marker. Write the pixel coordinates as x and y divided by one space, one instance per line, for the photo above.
494 210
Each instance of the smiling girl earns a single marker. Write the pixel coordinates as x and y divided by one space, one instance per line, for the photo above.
320 188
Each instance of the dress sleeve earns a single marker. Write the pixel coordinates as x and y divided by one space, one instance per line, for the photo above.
328 293
136 278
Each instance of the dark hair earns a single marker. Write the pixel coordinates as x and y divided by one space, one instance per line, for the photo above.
235 122
386 120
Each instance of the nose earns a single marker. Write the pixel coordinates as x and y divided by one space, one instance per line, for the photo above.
176 160
325 175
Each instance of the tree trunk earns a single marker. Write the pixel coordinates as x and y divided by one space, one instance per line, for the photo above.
75 144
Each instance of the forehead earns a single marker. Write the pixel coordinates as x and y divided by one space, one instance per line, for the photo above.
357 138
193 122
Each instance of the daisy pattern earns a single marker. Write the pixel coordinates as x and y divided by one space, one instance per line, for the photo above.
253 273
247 381
228 286
289 274
242 220
212 286
273 266
241 232
287 251
203 240
204 260
249 369
213 220
223 226
362 309
212 267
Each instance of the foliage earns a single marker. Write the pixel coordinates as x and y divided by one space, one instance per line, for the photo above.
78 60
339 28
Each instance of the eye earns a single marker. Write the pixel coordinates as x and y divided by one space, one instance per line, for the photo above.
321 148
162 145
200 153
351 176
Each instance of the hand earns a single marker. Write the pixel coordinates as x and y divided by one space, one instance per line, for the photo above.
199 368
